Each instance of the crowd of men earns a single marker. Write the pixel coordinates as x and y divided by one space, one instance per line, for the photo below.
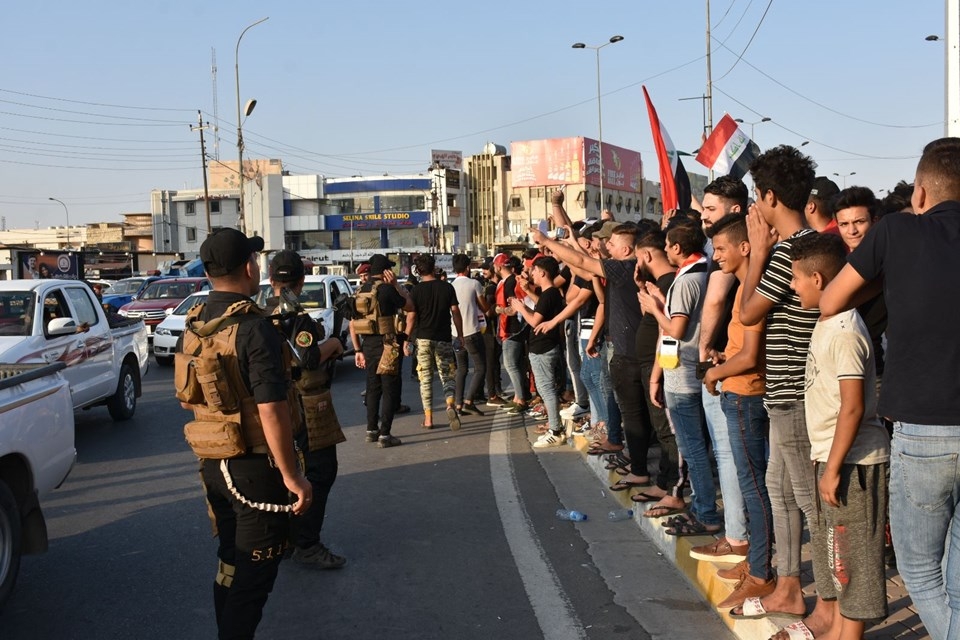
745 336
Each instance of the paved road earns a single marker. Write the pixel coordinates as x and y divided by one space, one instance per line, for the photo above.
451 535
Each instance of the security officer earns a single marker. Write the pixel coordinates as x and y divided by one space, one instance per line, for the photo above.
323 433
391 296
248 492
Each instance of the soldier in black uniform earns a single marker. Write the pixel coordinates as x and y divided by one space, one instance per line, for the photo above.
249 493
383 390
315 358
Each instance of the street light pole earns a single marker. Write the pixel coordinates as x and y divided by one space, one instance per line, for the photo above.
67 213
752 124
580 45
845 176
249 109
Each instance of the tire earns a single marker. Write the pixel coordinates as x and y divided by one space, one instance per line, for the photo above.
123 403
164 361
9 542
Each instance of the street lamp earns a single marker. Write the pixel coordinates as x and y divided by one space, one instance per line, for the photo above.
67 212
240 116
752 124
845 176
580 45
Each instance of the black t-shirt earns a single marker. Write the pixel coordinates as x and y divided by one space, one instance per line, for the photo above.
432 300
622 311
549 306
515 325
259 349
648 333
589 308
874 315
919 259
389 299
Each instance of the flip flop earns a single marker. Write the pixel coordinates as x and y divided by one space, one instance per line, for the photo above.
645 497
601 450
624 485
752 609
798 631
690 527
661 511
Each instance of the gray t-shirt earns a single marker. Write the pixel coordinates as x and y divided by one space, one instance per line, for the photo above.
685 298
468 290
840 349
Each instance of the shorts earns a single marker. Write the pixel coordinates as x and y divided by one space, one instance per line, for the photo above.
852 541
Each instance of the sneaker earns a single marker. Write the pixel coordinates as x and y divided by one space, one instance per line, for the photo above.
385 442
574 411
582 429
734 573
549 439
318 557
471 408
402 409
512 408
540 416
373 436
496 401
453 418
720 551
535 409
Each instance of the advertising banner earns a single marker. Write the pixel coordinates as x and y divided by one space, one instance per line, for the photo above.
622 168
383 220
541 163
447 159
31 265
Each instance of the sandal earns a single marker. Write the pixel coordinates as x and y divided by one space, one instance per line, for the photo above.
615 461
691 527
646 497
624 485
661 511
423 425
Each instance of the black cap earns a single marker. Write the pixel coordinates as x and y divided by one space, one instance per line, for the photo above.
379 263
824 188
286 266
226 249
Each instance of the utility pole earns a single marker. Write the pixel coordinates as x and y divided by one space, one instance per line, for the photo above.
203 156
709 98
952 66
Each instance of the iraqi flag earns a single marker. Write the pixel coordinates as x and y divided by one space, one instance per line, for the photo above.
674 182
728 151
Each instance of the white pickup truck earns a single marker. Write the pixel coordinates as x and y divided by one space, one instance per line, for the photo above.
46 321
36 454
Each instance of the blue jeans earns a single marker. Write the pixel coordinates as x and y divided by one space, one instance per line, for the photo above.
925 521
748 429
545 367
614 419
596 380
734 512
571 329
686 413
513 354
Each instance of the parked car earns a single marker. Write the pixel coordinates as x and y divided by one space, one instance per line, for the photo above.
168 332
46 321
123 291
317 298
152 303
36 455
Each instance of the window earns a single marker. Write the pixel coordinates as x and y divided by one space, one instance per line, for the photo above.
191 234
54 306
402 203
83 306
189 208
214 206
516 202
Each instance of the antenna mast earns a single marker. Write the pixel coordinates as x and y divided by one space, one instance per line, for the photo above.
216 112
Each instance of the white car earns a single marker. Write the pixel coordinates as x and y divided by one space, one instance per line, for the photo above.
317 297
168 332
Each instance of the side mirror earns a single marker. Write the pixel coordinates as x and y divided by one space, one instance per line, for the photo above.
62 327
168 311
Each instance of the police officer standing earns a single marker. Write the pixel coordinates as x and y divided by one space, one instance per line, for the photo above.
378 329
231 372
314 360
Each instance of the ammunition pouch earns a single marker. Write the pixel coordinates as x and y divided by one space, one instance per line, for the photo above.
215 439
323 426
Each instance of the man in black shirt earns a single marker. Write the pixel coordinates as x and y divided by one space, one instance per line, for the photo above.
383 390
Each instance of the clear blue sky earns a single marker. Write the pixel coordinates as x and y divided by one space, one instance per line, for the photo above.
369 87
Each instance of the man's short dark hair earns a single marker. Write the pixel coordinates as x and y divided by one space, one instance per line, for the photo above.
425 264
687 234
786 172
730 189
549 265
819 252
855 197
732 225
898 199
629 230
461 263
655 239
940 163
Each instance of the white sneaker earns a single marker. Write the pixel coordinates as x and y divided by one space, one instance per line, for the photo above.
549 439
574 411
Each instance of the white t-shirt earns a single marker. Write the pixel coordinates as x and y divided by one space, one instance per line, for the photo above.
840 349
468 290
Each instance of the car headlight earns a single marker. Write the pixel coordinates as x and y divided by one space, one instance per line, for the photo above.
122 312
163 332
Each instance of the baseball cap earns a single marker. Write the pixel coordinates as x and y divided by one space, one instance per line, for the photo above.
824 188
226 249
363 268
286 266
380 263
501 259
606 230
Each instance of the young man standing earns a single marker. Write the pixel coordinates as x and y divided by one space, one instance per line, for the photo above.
918 257
472 306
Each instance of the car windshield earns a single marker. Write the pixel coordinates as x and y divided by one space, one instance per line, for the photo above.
167 291
313 296
188 304
126 287
16 313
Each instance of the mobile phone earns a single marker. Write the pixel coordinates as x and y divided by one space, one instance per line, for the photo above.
560 233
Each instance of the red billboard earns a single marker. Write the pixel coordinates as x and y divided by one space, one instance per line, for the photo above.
539 163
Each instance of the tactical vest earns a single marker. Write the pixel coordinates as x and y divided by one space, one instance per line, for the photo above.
207 377
368 318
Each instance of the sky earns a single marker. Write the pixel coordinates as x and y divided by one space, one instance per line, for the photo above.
97 98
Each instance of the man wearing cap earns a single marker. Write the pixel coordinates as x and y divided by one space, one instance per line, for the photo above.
491 279
364 272
819 212
323 433
248 493
383 390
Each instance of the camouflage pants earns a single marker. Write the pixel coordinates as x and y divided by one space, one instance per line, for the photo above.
434 355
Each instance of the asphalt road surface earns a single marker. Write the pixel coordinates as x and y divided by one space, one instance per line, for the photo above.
451 536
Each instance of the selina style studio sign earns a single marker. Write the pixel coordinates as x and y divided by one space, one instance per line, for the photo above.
381 220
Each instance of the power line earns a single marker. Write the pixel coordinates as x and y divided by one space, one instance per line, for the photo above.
83 146
92 104
749 42
61 166
111 124
65 135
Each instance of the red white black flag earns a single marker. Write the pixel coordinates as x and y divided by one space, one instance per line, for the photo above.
674 182
728 150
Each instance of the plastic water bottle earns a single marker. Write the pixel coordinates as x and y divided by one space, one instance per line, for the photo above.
620 514
573 516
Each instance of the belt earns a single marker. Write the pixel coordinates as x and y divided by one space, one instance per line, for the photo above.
260 449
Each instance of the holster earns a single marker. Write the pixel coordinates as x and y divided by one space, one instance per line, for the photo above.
323 427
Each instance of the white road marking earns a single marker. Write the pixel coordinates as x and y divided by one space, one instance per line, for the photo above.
550 603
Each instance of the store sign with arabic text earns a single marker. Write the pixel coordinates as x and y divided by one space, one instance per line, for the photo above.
383 220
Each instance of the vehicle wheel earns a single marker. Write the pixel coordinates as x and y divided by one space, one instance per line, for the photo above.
164 361
9 542
123 402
